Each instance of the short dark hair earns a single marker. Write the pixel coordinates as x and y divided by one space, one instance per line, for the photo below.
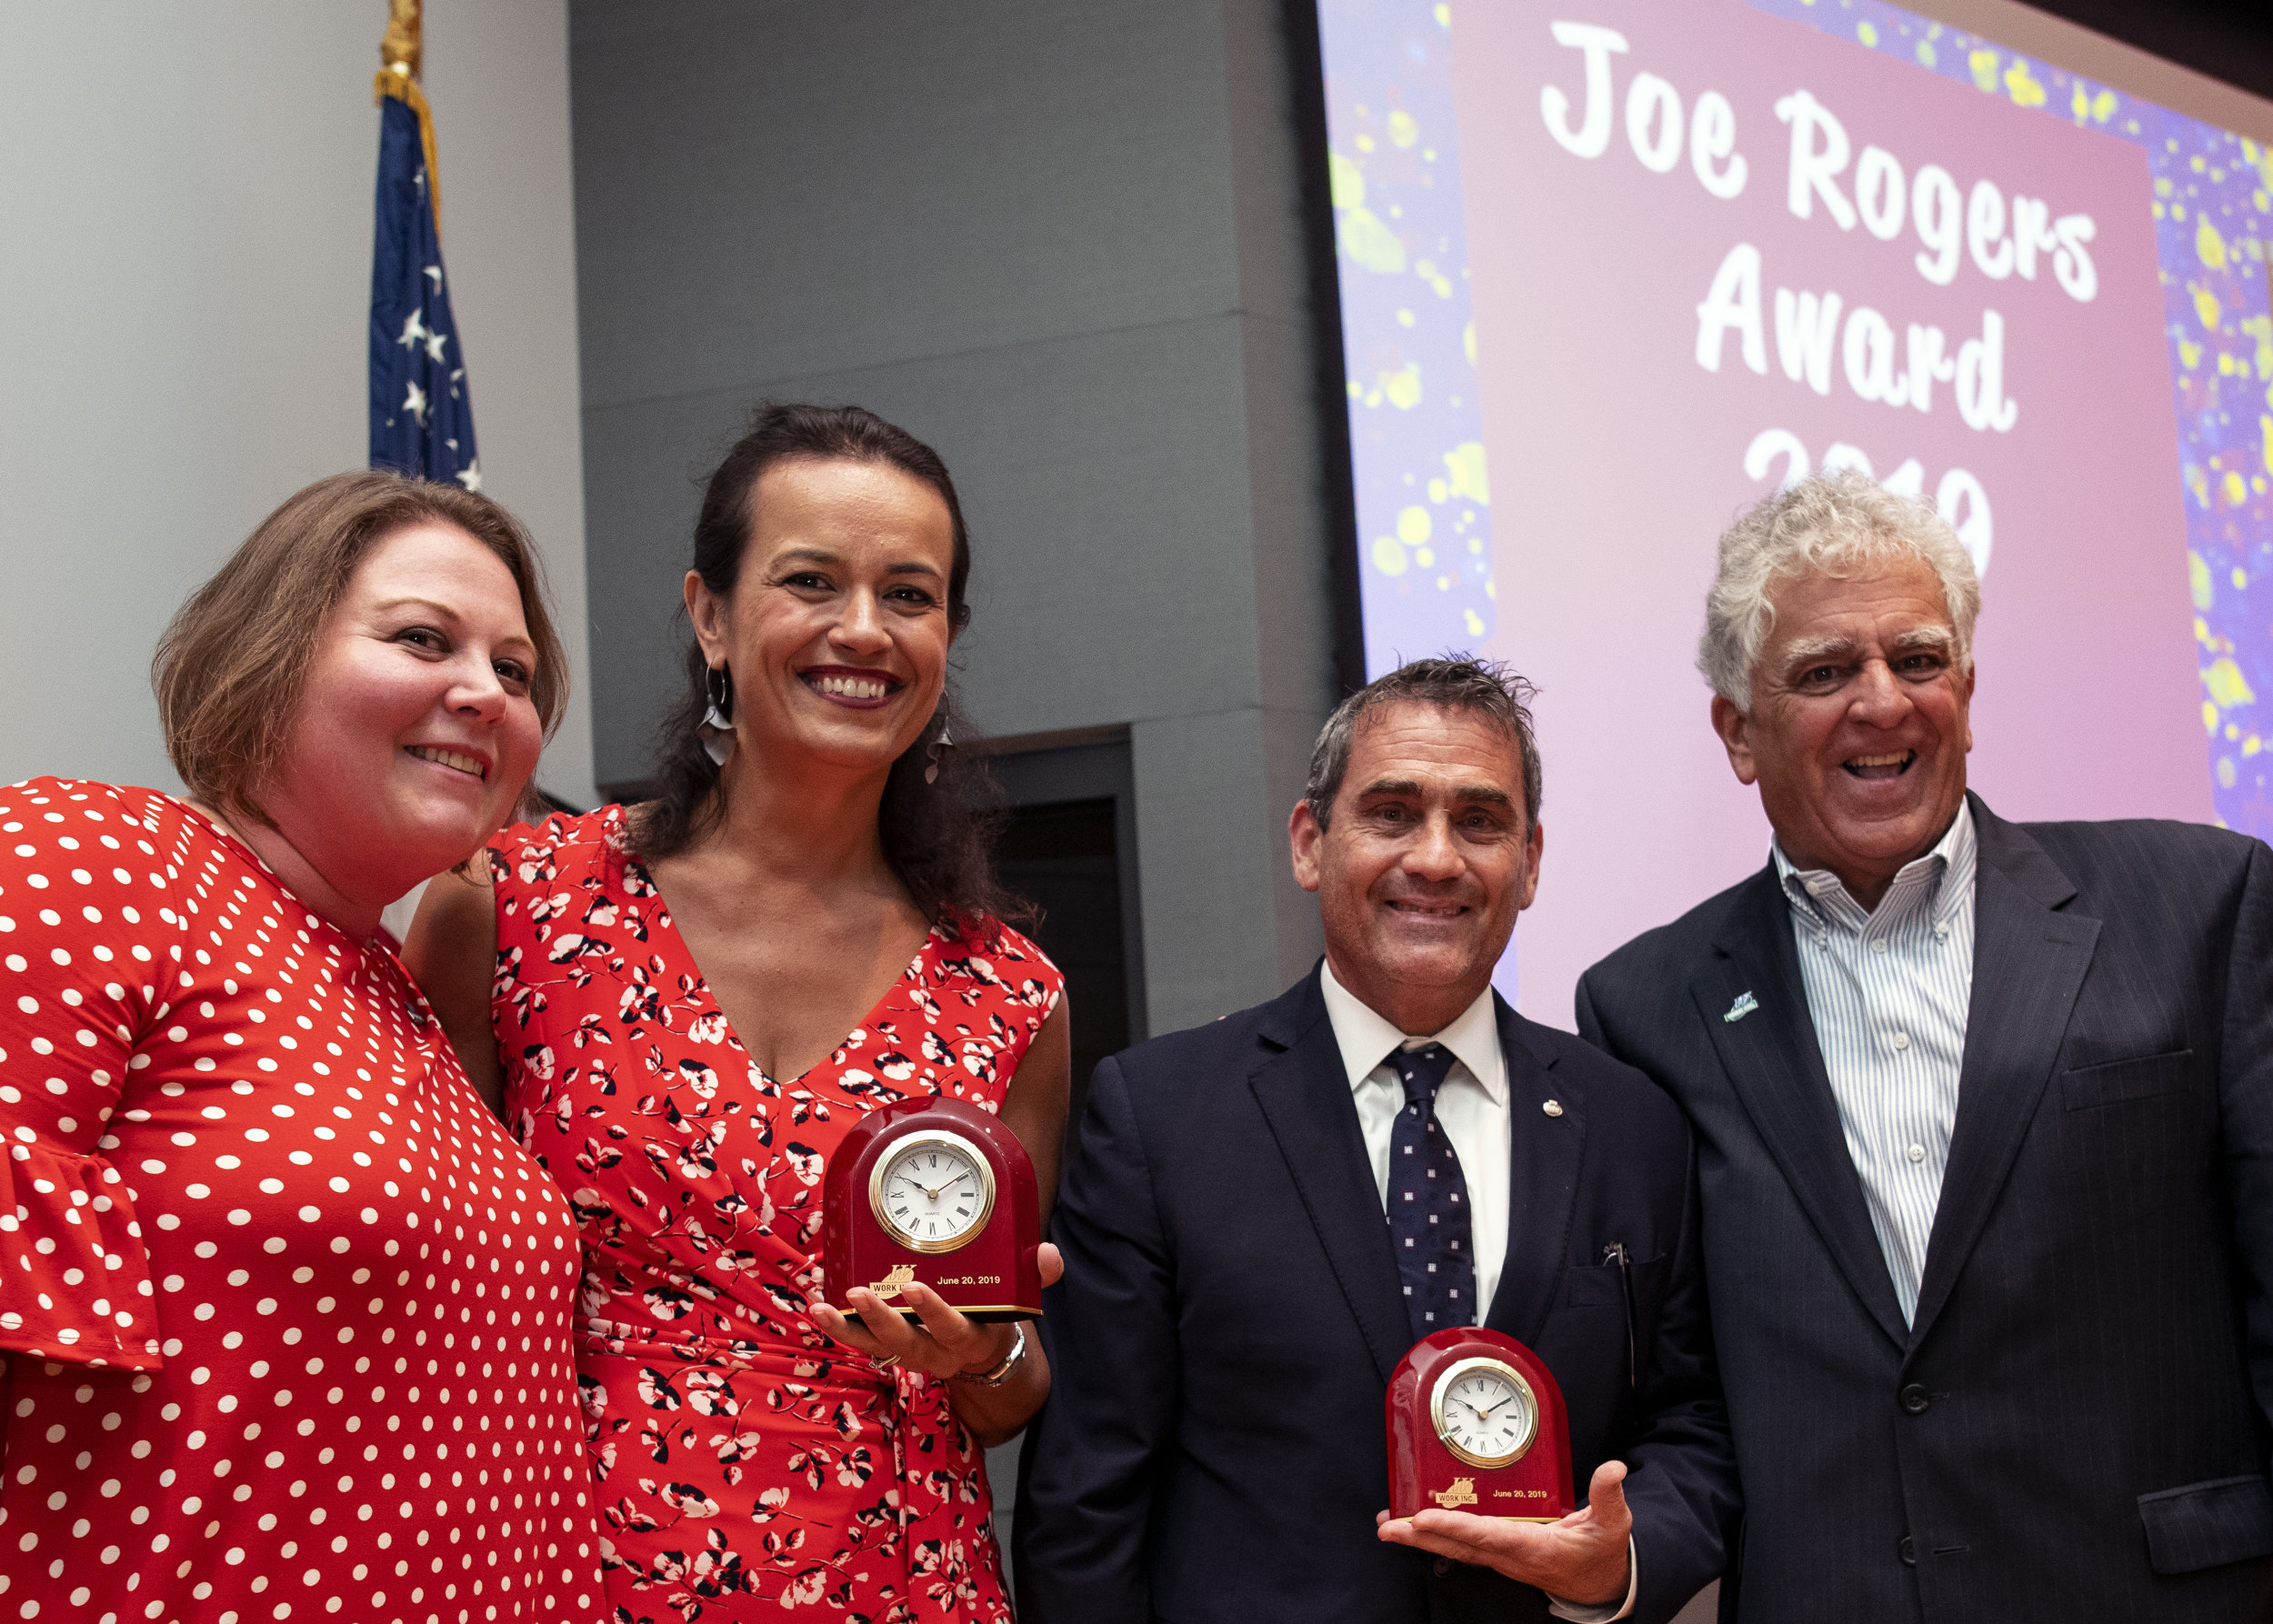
231 667
937 832
1451 682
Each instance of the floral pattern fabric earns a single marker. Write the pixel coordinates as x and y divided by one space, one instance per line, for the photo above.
745 1463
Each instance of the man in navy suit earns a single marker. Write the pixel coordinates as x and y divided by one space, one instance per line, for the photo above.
1265 1213
1984 1115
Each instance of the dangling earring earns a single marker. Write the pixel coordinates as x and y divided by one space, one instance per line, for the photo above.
718 731
931 772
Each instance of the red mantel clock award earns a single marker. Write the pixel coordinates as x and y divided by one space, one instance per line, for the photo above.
936 1192
1477 1425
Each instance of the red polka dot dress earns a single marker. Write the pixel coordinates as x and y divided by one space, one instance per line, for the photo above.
746 1464
283 1312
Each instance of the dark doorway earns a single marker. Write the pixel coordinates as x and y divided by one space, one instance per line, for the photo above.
1064 858
1070 848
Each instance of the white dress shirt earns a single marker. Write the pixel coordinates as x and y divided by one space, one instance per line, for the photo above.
1888 991
1472 1112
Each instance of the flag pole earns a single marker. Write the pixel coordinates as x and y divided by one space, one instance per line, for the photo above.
400 49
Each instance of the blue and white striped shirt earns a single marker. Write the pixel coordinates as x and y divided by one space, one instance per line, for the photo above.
1888 991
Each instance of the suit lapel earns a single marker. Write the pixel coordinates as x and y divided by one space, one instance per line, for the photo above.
1545 1154
1305 1098
1775 1064
2028 964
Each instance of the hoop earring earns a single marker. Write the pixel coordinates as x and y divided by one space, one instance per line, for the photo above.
931 755
718 729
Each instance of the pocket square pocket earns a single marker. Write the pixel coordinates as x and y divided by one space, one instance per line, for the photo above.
2118 1080
1593 1283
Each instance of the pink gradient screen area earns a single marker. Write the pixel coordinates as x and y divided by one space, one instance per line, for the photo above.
1698 266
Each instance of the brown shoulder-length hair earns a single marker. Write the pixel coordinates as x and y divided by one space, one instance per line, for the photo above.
941 809
231 667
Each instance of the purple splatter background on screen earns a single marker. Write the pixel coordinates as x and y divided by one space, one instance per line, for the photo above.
1424 504
1422 491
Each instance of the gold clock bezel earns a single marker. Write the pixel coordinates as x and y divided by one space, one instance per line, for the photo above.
1528 1399
942 1139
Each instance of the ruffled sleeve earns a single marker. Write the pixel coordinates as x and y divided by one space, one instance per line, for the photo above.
78 1281
74 1279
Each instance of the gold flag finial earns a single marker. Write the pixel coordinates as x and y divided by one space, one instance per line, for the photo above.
398 77
398 48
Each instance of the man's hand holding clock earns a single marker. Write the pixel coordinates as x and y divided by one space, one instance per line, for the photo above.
1581 1558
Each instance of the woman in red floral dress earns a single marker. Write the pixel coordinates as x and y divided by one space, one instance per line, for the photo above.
284 1325
686 1003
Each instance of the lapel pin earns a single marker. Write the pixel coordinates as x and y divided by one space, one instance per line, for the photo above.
1553 1107
1745 1005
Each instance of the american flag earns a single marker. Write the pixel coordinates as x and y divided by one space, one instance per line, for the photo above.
422 416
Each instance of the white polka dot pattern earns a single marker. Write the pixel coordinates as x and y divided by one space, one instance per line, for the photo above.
285 1312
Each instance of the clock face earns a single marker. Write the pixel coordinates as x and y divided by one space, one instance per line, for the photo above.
1485 1412
933 1191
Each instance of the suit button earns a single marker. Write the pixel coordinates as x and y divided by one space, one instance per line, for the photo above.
1914 1400
1907 1551
1444 1567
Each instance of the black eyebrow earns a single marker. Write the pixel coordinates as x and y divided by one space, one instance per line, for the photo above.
822 556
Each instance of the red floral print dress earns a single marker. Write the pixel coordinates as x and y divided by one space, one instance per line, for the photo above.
283 1312
745 1463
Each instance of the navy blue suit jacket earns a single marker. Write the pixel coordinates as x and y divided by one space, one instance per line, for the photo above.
1220 1346
2075 1425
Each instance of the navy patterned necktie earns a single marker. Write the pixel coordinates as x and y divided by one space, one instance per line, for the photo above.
1428 1202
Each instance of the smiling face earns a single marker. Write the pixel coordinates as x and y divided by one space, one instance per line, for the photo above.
1424 864
1859 730
837 632
414 733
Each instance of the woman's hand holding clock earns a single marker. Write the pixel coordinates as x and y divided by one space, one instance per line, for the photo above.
946 1344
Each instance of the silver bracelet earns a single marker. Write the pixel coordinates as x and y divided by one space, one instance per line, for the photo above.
1000 1373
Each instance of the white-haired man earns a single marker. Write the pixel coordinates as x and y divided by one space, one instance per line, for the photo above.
1984 1116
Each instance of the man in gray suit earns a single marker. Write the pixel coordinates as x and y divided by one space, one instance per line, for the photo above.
1984 1116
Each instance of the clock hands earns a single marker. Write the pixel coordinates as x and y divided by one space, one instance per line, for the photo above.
929 1191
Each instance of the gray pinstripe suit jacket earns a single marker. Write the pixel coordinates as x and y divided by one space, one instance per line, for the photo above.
2076 1427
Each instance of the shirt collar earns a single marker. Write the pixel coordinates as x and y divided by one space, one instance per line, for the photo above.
1944 876
1366 1039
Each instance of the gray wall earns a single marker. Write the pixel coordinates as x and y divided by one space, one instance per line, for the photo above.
1063 243
183 320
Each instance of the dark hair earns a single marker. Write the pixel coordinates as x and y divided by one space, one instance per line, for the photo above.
1453 682
230 669
938 837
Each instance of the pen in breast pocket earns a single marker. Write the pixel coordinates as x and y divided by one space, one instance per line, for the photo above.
1615 1252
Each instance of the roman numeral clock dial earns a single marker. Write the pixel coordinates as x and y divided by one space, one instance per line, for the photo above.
1485 1412
934 1192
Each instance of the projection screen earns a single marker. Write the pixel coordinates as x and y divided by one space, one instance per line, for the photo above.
1611 271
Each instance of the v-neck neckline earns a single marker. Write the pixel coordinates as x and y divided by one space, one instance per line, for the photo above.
684 950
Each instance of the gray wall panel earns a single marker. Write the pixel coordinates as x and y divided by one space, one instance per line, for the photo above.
1208 851
1086 528
1064 244
840 186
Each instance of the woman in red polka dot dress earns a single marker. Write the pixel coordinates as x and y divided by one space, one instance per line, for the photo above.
695 998
283 1324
